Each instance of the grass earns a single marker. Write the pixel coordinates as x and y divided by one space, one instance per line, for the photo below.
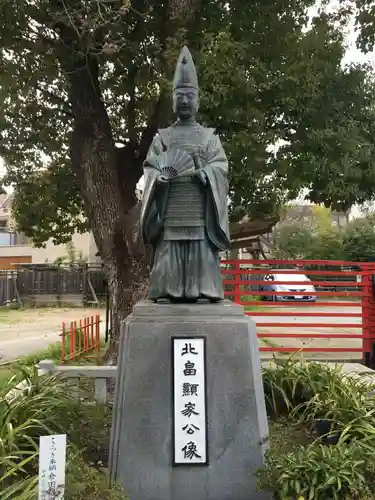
255 308
252 298
264 342
6 374
13 316
16 315
53 353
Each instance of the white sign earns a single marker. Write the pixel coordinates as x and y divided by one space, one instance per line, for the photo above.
190 419
52 459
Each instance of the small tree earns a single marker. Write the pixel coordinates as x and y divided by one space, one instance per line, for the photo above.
312 236
359 240
327 245
292 242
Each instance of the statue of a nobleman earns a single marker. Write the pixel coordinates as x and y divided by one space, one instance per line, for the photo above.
184 207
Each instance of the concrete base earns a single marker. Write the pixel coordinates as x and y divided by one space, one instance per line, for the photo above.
141 442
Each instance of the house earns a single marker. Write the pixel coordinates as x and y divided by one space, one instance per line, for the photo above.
245 237
16 248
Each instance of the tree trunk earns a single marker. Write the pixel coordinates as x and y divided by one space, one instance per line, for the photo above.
108 177
128 282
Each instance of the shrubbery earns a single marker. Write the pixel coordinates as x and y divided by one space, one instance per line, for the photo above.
323 433
322 436
354 242
45 407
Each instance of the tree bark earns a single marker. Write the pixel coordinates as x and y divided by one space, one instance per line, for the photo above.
108 177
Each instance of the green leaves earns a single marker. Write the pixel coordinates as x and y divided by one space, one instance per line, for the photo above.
359 239
306 394
318 238
320 472
87 482
35 412
365 15
296 242
292 242
49 203
293 94
42 408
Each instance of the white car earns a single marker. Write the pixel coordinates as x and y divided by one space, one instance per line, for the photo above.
299 283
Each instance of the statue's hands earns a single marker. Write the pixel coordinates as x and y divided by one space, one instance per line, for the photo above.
161 179
197 161
201 176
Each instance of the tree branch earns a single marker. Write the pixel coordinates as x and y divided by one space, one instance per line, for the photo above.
132 75
133 70
152 126
156 116
56 100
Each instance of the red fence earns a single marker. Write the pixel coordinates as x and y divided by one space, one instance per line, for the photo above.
337 323
80 337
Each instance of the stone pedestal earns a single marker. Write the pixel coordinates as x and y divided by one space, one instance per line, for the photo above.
141 442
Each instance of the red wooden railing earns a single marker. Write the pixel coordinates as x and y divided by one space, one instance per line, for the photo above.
80 337
334 301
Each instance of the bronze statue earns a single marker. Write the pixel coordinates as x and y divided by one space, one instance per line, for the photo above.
184 208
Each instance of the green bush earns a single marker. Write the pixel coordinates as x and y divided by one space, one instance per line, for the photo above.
249 298
349 408
305 395
319 472
45 407
14 372
84 482
90 432
41 408
288 383
313 390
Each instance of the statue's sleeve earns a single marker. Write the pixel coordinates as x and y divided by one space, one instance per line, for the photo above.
216 172
153 194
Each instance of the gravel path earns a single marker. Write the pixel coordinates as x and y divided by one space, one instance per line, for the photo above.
23 332
338 327
26 331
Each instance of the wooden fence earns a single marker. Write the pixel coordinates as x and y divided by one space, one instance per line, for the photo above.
80 338
53 286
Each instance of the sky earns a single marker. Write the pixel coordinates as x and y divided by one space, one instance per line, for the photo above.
353 55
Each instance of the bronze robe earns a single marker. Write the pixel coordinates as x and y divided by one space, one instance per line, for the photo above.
187 267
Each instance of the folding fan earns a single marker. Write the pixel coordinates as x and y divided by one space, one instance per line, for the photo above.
175 162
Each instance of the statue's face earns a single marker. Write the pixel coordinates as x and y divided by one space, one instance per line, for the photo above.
185 103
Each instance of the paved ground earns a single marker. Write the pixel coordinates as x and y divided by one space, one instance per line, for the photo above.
336 329
26 331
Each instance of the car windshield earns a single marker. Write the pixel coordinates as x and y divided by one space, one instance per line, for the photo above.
291 277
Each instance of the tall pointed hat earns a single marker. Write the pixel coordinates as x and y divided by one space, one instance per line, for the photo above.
185 74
